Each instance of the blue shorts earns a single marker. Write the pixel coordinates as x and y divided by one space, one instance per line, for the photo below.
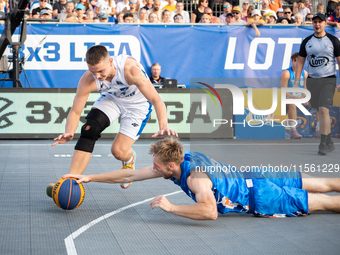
280 197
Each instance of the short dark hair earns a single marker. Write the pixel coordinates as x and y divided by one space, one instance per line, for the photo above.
128 14
295 55
96 54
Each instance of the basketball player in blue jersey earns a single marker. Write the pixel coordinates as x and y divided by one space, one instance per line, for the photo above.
288 80
126 93
321 50
218 189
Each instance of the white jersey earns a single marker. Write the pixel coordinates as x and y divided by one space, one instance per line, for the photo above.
118 87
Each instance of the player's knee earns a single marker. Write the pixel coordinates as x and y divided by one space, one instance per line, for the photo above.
117 153
96 122
323 111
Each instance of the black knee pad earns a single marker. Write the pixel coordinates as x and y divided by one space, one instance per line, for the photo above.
96 122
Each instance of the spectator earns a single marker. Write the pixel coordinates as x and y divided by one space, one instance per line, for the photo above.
4 6
143 17
120 18
89 16
38 6
226 9
149 5
59 7
86 4
96 19
133 10
321 9
178 18
153 18
93 6
256 20
274 5
237 14
288 15
156 73
205 19
45 14
309 5
171 6
156 9
245 6
279 13
166 16
213 19
287 81
265 8
104 18
80 11
122 6
230 19
128 17
298 19
197 14
271 19
180 10
107 6
249 13
303 10
308 19
69 10
334 18
282 21
330 7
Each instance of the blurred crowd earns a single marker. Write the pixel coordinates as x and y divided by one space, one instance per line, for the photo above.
300 12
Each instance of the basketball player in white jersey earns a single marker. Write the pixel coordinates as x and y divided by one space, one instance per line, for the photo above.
126 92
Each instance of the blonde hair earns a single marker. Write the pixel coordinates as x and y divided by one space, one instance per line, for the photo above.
168 150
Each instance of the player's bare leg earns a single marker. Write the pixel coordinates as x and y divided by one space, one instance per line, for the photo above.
325 121
80 161
322 185
322 202
121 150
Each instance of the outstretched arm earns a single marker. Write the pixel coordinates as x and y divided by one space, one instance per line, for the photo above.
118 176
205 209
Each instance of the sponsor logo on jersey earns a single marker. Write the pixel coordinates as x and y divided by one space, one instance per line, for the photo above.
318 61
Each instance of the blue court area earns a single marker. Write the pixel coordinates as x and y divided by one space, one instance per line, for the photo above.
116 221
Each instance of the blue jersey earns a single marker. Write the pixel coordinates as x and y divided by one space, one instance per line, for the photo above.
292 78
229 187
270 194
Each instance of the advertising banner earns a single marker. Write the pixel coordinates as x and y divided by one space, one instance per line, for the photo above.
54 54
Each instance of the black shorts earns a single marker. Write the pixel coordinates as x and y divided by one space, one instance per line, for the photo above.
322 91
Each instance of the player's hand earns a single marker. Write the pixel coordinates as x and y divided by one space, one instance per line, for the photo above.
161 202
296 84
63 138
165 131
338 88
80 178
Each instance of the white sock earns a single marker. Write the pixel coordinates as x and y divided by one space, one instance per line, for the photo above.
129 161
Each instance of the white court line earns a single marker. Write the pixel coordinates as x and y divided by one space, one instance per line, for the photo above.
71 248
